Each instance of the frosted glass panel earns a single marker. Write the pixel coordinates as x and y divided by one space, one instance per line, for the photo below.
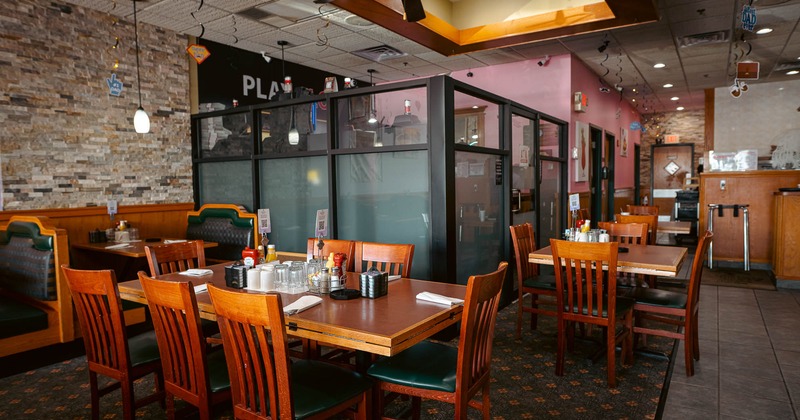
479 215
293 190
226 182
385 197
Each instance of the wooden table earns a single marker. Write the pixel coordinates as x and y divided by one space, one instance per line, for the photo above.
675 227
383 326
125 262
652 260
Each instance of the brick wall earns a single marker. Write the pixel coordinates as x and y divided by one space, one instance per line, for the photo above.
690 126
65 140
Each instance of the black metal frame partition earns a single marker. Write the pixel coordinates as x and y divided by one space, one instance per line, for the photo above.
441 156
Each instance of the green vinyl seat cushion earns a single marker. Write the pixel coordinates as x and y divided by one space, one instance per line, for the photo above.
426 365
542 281
624 304
218 378
19 318
658 297
143 348
317 386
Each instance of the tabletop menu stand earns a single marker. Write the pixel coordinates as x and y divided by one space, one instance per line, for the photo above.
745 232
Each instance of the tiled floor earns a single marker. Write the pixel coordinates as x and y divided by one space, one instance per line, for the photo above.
749 365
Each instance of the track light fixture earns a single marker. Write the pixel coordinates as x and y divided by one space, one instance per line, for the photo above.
603 47
413 10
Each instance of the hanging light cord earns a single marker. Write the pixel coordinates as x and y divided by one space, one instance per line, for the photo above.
136 38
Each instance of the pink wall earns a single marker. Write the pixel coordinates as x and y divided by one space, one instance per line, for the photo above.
549 89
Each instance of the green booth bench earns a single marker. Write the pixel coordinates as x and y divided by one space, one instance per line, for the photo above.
229 225
35 303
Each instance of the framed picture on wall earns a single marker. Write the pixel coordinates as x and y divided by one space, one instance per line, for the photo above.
580 153
623 142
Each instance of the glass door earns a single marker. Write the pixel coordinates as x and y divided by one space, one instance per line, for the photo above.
523 170
551 182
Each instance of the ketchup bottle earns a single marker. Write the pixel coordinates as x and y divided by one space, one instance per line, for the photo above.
249 257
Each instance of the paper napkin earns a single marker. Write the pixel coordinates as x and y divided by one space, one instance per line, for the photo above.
118 246
302 304
173 241
197 272
444 300
395 277
201 288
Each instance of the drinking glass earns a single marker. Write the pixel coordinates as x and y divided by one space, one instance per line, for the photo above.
297 279
282 278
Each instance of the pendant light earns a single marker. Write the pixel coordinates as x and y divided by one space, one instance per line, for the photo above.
294 135
373 117
141 122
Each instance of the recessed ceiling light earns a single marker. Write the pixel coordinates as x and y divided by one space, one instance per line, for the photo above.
659 65
633 100
680 108
474 106
674 98
668 85
792 72
763 31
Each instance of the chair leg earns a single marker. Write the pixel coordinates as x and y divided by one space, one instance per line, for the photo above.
128 399
695 339
534 315
95 397
627 348
688 347
416 407
520 306
487 405
611 344
170 406
562 326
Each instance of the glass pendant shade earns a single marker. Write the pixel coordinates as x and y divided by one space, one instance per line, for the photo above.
141 122
294 137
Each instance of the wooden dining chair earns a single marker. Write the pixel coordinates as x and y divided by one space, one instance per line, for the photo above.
445 373
650 219
674 308
345 246
191 372
109 350
264 383
626 233
175 257
583 297
392 258
642 210
529 280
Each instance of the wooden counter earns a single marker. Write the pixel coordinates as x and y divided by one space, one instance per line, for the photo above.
785 263
755 188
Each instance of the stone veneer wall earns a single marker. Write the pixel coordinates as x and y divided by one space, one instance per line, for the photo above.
690 126
65 140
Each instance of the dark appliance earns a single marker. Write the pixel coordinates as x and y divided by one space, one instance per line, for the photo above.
686 210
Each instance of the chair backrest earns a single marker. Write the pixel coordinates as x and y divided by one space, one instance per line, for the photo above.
640 210
256 351
333 246
174 257
524 243
693 291
581 293
99 310
392 258
626 233
477 330
176 321
580 214
650 219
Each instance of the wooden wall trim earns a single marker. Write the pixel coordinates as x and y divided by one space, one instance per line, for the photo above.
98 210
709 119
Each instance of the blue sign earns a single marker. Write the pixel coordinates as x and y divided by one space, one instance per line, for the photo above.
636 125
748 18
114 85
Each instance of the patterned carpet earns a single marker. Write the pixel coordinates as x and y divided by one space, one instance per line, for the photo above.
524 385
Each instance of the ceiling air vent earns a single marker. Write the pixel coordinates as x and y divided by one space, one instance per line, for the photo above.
787 66
704 38
379 53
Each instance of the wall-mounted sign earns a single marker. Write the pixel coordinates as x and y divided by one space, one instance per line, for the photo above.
749 18
672 138
198 52
114 85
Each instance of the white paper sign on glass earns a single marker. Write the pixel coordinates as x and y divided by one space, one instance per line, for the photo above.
321 224
264 224
574 202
